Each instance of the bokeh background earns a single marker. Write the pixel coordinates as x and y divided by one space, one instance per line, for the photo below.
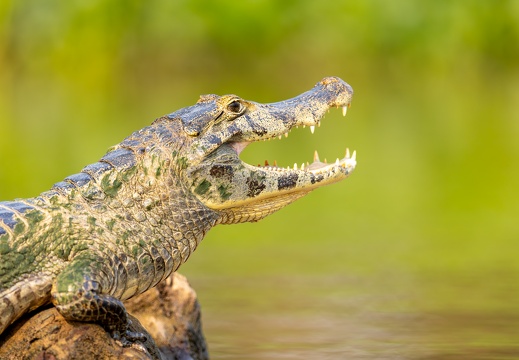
414 257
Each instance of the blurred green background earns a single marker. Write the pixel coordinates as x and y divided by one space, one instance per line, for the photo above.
414 256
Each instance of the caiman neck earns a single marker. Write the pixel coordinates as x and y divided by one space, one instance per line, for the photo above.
145 203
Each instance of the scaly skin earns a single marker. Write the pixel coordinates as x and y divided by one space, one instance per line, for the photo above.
123 224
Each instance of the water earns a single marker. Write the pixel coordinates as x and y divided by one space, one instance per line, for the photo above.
390 315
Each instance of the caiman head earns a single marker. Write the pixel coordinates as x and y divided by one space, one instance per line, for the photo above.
218 128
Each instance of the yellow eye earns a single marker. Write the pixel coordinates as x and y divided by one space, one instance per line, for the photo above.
235 107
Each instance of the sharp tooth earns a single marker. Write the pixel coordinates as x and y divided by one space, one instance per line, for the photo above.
295 166
325 161
318 124
344 110
316 156
302 166
312 128
279 137
275 163
304 126
347 153
354 155
286 134
337 162
266 163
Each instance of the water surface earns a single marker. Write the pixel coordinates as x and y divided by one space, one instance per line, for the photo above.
390 315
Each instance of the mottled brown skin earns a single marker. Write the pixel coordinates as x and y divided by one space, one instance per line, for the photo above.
125 223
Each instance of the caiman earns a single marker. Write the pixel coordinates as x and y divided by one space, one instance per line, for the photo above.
126 222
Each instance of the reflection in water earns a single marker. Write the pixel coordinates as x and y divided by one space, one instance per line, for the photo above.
326 317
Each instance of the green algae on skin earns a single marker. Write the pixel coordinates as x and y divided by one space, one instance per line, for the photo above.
110 188
202 188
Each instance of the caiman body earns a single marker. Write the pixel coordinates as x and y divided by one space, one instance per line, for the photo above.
124 223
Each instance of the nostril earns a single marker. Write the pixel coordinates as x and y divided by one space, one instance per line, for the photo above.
335 84
330 80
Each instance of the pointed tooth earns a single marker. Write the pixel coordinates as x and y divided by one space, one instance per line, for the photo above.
347 153
304 126
302 166
318 124
312 128
316 156
266 163
325 161
286 134
337 162
275 163
295 166
354 155
344 110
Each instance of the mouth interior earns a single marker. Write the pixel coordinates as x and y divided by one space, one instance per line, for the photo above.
348 161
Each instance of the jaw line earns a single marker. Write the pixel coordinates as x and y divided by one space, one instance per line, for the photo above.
291 183
283 185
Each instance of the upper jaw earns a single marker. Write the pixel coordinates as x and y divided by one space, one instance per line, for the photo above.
276 119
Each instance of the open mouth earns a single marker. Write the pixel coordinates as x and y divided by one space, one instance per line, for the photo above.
345 164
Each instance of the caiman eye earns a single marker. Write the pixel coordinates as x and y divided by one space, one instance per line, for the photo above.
235 107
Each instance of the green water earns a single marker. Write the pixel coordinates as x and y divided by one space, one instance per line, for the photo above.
413 257
388 316
270 300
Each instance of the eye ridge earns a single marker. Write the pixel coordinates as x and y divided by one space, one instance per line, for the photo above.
235 107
